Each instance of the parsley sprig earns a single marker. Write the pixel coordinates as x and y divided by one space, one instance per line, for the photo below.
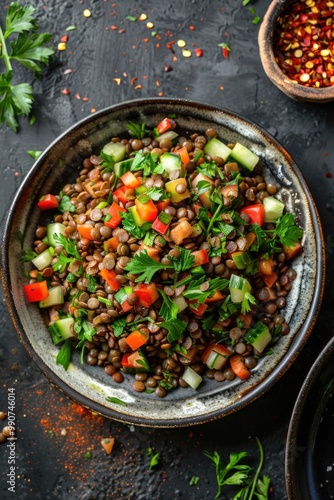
145 267
29 49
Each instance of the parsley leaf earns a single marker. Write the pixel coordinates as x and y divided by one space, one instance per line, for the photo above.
156 194
29 50
147 163
34 154
202 288
137 130
286 230
154 457
145 266
69 245
119 326
175 328
168 310
107 163
64 355
184 261
129 225
65 204
28 255
246 301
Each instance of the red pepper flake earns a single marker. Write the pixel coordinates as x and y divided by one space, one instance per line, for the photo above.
121 30
192 28
174 58
225 52
160 94
170 44
64 38
221 87
198 52
68 71
85 99
325 153
168 68
133 80
146 40
157 45
93 110
138 87
125 74
144 77
113 27
329 175
77 96
65 91
157 83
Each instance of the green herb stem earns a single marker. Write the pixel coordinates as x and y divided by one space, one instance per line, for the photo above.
4 52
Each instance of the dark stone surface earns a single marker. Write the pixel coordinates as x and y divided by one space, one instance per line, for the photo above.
50 465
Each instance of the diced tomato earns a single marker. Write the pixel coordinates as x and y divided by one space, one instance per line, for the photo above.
184 155
255 212
200 161
201 257
135 361
239 368
270 279
124 194
85 231
47 202
292 252
164 125
215 297
130 180
125 360
126 307
146 211
246 319
111 244
162 205
151 252
219 348
146 293
180 232
136 339
109 276
35 292
198 309
115 218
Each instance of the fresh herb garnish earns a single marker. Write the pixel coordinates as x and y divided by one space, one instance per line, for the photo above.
246 303
154 457
27 255
147 163
108 162
65 204
117 401
156 194
286 230
193 480
168 309
64 355
137 130
70 246
145 267
28 49
34 154
184 261
201 289
175 328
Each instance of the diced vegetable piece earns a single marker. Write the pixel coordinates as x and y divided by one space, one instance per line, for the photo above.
258 336
192 378
171 162
115 149
197 230
136 339
270 279
244 156
215 147
111 244
138 221
93 187
162 223
146 209
204 197
115 218
292 252
108 444
165 125
85 231
44 259
239 368
184 155
141 190
61 330
36 292
180 232
147 293
173 187
181 303
273 208
255 213
217 295
215 356
238 287
163 204
170 134
201 257
47 202
197 308
76 267
52 230
55 297
130 180
122 166
241 259
135 362
109 276
151 252
124 194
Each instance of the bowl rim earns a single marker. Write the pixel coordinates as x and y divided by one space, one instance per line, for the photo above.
298 341
270 66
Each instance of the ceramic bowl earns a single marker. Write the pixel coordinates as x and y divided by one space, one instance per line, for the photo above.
89 385
266 36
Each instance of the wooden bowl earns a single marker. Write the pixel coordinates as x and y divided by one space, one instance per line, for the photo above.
281 80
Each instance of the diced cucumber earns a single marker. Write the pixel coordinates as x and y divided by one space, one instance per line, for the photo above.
241 259
170 134
122 166
180 302
244 156
56 296
52 230
191 377
61 330
215 360
273 208
215 147
171 162
259 336
115 149
44 259
238 287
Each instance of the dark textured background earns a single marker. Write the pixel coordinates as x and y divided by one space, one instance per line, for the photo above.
51 465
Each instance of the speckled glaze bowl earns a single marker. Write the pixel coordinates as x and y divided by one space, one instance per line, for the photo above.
90 386
283 82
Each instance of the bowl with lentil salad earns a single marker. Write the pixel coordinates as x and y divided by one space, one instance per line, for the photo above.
168 267
296 43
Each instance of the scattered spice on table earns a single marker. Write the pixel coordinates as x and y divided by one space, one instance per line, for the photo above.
304 43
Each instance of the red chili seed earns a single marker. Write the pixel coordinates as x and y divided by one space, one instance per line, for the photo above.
198 52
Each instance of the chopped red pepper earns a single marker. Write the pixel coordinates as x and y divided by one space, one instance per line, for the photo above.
162 205
115 218
35 292
239 368
109 276
124 194
198 52
47 202
164 125
130 180
197 308
85 231
162 223
146 209
147 293
136 339
184 155
201 257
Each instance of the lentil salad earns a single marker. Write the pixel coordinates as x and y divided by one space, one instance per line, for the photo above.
170 257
